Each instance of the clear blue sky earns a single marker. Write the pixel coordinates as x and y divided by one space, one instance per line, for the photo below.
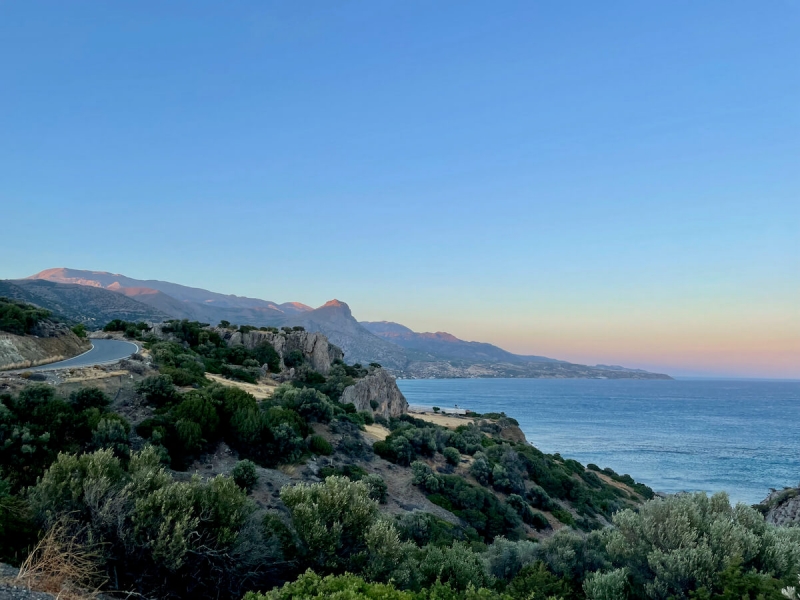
595 181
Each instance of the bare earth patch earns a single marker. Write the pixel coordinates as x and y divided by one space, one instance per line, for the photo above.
260 390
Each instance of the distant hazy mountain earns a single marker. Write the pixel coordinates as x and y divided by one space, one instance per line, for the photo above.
89 305
445 345
97 297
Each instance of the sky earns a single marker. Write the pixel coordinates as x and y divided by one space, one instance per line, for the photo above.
613 182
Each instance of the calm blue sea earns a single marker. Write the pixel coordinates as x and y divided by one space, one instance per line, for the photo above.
742 437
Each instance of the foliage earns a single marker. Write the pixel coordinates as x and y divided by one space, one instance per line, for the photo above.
157 389
342 587
330 519
134 330
452 455
319 445
79 330
180 537
244 474
20 318
37 425
685 543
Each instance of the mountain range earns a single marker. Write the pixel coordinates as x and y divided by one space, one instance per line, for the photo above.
96 297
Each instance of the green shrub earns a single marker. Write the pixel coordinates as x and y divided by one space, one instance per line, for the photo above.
536 581
457 566
452 455
319 445
504 559
309 403
352 472
244 474
294 359
157 389
345 587
330 518
563 515
89 398
377 487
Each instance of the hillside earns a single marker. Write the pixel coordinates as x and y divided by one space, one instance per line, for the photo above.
73 302
180 301
238 467
30 336
195 488
398 348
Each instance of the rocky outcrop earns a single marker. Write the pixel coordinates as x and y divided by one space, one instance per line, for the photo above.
317 350
782 507
50 342
506 428
380 387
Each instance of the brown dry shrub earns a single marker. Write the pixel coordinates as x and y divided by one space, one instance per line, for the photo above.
61 565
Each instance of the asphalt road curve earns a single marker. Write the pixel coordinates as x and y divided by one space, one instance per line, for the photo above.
102 352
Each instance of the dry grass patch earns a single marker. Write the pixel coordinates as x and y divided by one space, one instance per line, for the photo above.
376 432
61 565
261 391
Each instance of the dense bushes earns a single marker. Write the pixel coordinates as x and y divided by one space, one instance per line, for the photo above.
37 425
187 424
168 537
20 318
134 330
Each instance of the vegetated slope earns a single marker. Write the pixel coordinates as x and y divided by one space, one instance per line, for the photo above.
90 305
260 493
30 337
430 486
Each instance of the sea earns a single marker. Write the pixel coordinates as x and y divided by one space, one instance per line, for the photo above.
741 437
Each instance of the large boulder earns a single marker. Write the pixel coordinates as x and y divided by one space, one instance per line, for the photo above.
378 386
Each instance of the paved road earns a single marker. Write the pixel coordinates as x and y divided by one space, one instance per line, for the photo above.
103 351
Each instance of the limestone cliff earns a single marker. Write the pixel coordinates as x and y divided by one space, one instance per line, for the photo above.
315 347
50 342
782 507
378 386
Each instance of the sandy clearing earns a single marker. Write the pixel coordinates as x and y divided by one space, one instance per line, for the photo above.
450 421
260 390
